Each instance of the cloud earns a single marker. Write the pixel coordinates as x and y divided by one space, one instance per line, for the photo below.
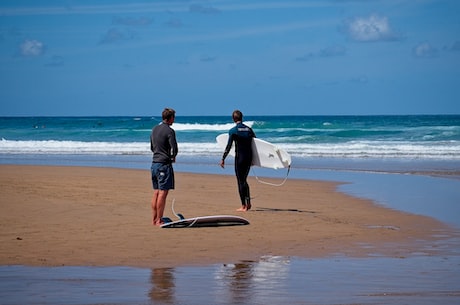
425 50
207 58
360 79
330 51
335 50
130 21
55 61
114 35
455 46
174 23
31 48
196 8
305 57
129 7
369 29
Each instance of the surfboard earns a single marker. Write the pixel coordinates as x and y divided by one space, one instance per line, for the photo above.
207 221
264 154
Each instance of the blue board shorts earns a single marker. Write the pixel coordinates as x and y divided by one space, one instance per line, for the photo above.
162 176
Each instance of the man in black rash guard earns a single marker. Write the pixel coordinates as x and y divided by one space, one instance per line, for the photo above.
242 136
163 144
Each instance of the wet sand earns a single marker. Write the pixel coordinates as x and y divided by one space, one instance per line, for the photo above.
84 216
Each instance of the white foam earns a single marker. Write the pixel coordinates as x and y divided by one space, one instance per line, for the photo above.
378 149
205 127
72 147
448 150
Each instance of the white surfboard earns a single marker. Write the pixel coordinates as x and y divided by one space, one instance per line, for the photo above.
207 221
264 154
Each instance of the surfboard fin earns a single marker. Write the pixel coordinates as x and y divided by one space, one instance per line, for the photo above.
166 219
181 217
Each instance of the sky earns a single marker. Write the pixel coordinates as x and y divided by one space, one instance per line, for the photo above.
270 57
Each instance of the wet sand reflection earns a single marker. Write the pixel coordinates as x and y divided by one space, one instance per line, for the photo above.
163 285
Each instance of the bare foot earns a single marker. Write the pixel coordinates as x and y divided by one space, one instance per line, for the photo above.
242 209
157 222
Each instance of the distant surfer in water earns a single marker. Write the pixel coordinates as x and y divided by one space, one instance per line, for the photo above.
242 135
163 144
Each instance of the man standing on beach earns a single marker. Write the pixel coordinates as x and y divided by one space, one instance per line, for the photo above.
242 135
163 144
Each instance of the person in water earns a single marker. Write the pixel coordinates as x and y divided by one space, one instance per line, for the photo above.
242 136
163 145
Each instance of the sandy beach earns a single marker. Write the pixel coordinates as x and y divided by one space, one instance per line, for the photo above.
83 216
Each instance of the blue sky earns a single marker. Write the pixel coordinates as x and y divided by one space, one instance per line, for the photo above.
268 57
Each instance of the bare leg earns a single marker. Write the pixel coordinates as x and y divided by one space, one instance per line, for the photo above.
154 206
161 203
158 206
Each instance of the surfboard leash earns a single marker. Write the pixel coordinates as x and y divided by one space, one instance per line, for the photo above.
269 183
178 215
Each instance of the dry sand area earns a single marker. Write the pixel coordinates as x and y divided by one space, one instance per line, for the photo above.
83 216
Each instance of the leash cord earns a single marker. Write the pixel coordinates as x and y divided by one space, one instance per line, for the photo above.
269 183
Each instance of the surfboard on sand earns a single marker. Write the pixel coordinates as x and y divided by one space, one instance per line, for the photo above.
265 154
205 221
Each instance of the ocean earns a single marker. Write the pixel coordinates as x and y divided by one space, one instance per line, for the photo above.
395 144
426 137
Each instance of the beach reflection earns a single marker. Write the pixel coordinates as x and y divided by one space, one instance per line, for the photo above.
245 282
418 279
242 282
234 281
163 286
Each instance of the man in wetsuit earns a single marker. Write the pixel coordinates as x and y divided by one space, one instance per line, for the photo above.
242 136
163 144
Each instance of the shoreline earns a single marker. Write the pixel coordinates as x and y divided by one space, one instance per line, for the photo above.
93 216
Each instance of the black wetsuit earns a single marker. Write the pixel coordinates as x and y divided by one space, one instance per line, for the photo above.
242 135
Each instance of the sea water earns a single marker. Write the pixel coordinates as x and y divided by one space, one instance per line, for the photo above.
304 137
379 156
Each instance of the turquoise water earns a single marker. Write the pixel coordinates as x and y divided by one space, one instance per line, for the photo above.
304 137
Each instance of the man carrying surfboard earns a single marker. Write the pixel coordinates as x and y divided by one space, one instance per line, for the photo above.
163 144
242 136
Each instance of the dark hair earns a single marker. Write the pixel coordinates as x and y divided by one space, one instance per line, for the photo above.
168 113
237 116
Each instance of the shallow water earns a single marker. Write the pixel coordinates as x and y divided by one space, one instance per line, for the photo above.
272 280
436 197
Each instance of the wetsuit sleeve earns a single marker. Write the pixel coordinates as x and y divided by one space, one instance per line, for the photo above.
151 142
173 144
228 147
